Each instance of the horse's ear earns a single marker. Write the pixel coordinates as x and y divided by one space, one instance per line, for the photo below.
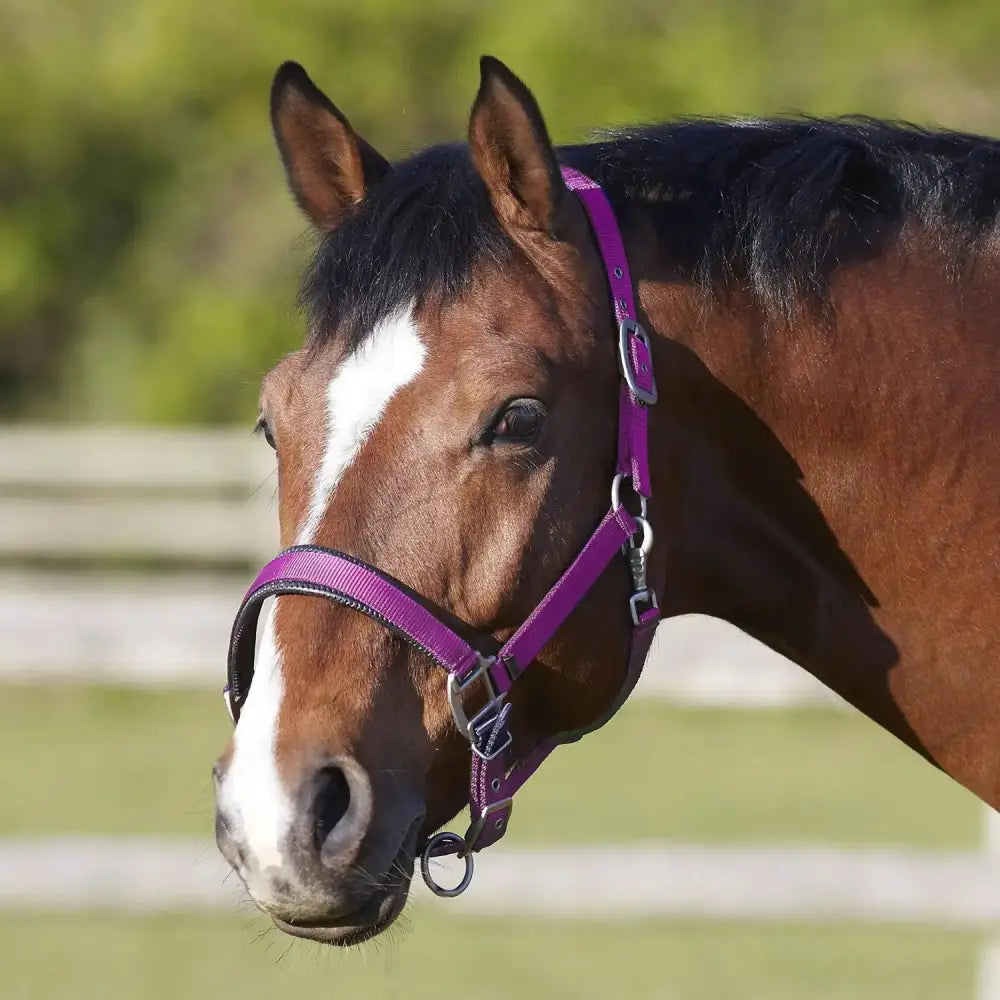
510 148
329 166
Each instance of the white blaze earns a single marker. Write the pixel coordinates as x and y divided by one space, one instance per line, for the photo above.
253 797
356 399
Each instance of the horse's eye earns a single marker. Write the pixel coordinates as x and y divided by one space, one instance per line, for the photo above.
520 422
264 429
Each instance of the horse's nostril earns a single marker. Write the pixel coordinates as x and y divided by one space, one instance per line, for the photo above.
333 796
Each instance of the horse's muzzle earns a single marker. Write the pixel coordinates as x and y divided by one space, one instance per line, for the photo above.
334 875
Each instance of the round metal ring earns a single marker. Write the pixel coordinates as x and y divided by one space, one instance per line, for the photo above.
438 846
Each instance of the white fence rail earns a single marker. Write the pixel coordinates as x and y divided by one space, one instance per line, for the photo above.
121 492
780 882
130 459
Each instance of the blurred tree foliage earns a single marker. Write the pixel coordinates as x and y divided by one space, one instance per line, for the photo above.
149 252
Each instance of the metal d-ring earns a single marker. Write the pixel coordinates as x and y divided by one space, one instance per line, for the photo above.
438 846
616 501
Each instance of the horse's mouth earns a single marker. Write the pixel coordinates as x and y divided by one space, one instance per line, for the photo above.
373 916
367 922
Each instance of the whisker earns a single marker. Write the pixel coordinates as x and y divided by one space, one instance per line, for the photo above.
271 475
281 958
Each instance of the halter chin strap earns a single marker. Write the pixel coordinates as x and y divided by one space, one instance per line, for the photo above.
496 775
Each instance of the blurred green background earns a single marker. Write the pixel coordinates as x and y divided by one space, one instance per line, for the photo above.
149 258
148 250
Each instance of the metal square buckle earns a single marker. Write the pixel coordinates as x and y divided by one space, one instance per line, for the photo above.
475 830
457 689
630 328
646 596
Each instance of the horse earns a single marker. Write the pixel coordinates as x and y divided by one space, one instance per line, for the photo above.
817 301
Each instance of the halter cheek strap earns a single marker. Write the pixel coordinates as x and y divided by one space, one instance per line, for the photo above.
496 775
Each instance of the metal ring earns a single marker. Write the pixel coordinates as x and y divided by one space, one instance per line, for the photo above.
616 502
646 544
438 846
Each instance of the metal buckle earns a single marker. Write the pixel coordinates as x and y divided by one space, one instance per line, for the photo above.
475 830
648 595
483 724
457 688
630 328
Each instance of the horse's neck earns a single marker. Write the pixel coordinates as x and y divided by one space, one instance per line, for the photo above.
784 512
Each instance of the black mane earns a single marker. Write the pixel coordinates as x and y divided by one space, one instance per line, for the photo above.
768 206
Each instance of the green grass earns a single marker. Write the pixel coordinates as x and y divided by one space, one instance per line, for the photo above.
102 760
70 957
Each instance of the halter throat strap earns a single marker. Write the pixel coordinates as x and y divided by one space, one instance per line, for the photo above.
472 673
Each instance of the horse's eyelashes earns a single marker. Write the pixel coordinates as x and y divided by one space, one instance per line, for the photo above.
263 428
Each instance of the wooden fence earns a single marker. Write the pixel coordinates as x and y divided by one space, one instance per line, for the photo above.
103 493
85 513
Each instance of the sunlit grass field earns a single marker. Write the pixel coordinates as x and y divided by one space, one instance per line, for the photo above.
108 761
439 958
93 760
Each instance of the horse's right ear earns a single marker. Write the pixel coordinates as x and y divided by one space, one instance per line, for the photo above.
329 166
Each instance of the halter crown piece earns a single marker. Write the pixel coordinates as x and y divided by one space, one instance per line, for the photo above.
496 774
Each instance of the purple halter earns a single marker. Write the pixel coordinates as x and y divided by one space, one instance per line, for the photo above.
312 570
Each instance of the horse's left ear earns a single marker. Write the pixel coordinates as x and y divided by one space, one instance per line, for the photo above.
511 149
